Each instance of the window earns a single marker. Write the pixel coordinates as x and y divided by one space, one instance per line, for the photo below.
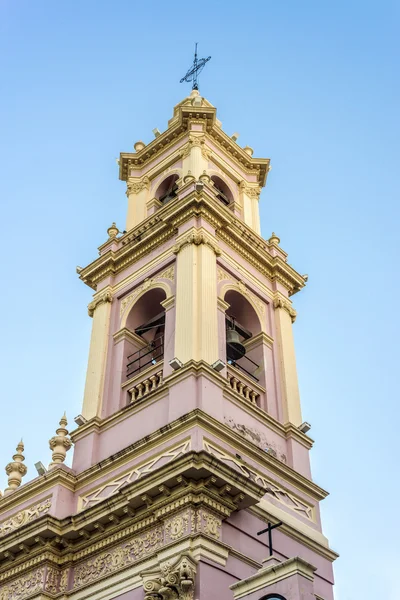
167 190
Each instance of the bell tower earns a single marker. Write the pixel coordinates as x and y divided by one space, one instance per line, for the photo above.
190 438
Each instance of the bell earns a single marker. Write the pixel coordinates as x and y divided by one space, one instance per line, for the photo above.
234 347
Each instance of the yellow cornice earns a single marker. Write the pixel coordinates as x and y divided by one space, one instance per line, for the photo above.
161 227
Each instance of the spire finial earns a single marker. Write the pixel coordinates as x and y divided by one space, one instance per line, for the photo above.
113 231
60 443
195 70
16 469
274 239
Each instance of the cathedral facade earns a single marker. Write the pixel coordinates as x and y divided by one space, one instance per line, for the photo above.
190 442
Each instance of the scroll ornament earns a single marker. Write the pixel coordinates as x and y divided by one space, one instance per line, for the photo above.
197 238
102 298
172 582
286 305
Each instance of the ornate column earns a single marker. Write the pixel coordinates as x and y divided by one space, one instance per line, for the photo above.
285 315
194 160
196 298
249 196
137 192
100 310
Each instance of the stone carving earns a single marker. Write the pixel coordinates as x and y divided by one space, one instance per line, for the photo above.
64 580
212 524
281 495
60 443
222 275
168 273
52 578
249 190
100 299
117 558
197 238
147 283
259 439
24 516
280 302
177 526
135 187
171 582
16 469
23 587
111 487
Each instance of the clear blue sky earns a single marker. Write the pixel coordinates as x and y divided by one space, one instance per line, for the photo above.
314 86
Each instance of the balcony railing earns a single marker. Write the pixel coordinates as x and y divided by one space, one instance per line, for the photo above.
242 385
144 357
144 387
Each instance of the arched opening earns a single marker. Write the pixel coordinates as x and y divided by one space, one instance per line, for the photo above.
168 189
146 322
273 597
242 323
224 194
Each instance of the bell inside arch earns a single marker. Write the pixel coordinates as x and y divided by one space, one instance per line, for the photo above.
234 348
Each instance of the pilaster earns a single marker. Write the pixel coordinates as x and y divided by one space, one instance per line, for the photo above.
137 192
100 310
284 316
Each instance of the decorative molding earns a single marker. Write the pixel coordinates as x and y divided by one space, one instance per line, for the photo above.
177 526
23 587
135 186
197 238
112 487
241 287
283 496
64 580
222 275
211 524
257 438
147 284
118 557
24 516
52 580
171 581
102 298
280 302
250 190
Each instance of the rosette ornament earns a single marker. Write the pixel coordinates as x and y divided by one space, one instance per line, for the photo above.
60 444
16 469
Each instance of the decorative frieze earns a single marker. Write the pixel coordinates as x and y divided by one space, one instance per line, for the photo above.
197 238
103 297
281 495
52 580
112 487
24 516
118 557
177 526
25 586
280 302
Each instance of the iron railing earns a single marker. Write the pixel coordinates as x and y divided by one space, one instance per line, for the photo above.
149 355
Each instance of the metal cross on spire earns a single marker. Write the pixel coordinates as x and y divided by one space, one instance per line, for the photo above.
195 70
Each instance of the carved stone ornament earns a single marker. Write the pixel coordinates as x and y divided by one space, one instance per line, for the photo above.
172 581
136 186
100 299
280 302
25 586
60 443
24 516
118 557
197 238
147 283
16 469
249 190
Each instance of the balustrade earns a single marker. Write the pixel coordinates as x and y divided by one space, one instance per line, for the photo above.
236 383
146 386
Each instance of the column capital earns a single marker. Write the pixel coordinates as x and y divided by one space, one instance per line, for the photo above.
136 185
197 238
103 297
285 304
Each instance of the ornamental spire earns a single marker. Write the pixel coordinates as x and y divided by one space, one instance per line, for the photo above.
60 443
16 469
